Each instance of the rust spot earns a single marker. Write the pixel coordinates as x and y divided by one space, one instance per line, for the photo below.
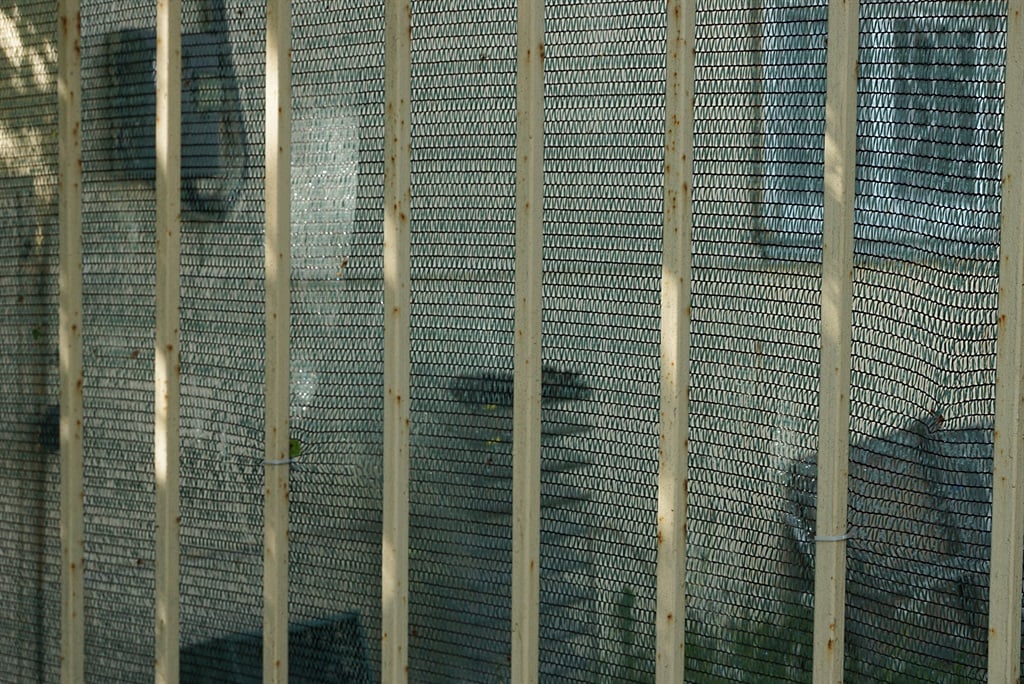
670 617
831 644
170 347
542 52
661 539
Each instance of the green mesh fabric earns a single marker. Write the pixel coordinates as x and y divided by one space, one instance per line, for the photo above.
29 546
922 387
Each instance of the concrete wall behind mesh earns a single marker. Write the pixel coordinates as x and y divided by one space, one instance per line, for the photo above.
922 387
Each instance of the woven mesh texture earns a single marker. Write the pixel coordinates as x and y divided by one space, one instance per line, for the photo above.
463 152
29 551
337 343
924 339
604 126
759 123
928 171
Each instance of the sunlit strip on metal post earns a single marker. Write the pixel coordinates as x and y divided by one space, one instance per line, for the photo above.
69 199
397 150
1008 469
673 447
526 421
167 368
278 274
836 322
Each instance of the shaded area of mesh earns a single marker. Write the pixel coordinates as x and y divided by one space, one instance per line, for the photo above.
923 383
926 228
335 485
754 356
337 340
222 346
29 531
117 321
463 198
603 189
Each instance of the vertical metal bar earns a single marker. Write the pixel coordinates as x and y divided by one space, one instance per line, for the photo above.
526 421
836 321
69 198
166 354
278 275
1008 466
673 452
397 150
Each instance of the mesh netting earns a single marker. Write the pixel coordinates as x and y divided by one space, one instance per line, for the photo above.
928 170
463 195
29 551
929 122
924 339
604 138
757 180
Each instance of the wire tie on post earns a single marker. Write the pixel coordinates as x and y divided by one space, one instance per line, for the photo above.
836 538
280 461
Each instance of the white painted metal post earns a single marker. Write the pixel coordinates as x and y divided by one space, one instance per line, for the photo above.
69 198
397 150
278 275
1008 465
526 406
167 356
836 321
673 448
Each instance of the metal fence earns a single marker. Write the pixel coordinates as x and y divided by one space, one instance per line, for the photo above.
871 184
